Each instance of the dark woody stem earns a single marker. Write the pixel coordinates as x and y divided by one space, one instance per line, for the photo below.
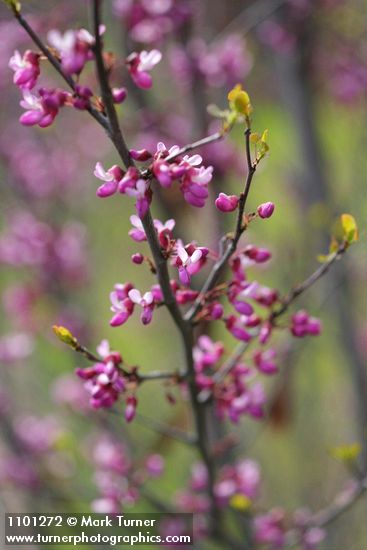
99 117
221 263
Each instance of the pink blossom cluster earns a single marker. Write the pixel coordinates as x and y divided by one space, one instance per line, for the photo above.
149 21
192 176
271 529
118 478
26 241
224 62
106 381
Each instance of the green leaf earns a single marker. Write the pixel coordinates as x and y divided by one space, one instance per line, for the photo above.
65 336
350 229
13 5
346 453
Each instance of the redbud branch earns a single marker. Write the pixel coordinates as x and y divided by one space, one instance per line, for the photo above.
161 266
196 144
168 431
326 516
310 281
220 265
115 133
101 119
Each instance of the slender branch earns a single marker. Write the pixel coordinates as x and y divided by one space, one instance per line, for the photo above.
115 133
158 375
310 281
196 144
111 124
221 263
168 431
100 118
341 504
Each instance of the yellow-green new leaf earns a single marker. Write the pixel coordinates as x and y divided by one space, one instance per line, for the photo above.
346 453
65 336
350 229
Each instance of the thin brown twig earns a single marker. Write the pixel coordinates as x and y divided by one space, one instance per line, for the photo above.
310 281
221 263
341 503
99 117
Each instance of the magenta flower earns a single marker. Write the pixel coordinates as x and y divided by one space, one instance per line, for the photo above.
146 302
104 382
226 203
303 325
207 353
122 305
111 177
133 186
184 261
257 255
137 233
236 327
139 65
140 154
264 361
74 47
26 69
41 109
154 465
130 410
195 185
269 528
266 209
119 95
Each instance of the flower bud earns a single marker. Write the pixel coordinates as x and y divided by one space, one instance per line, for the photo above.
226 203
266 209
119 95
137 258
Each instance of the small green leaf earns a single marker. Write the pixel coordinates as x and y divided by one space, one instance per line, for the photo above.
346 453
65 336
13 5
350 229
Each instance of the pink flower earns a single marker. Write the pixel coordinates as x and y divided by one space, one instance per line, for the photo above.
104 382
195 185
74 47
193 178
184 260
26 69
111 177
164 232
119 95
256 254
303 325
140 154
266 209
207 353
226 203
236 327
43 109
146 302
139 65
137 233
130 410
122 306
264 361
269 528
137 188
154 465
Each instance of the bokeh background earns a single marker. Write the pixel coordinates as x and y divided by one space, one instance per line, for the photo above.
62 249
